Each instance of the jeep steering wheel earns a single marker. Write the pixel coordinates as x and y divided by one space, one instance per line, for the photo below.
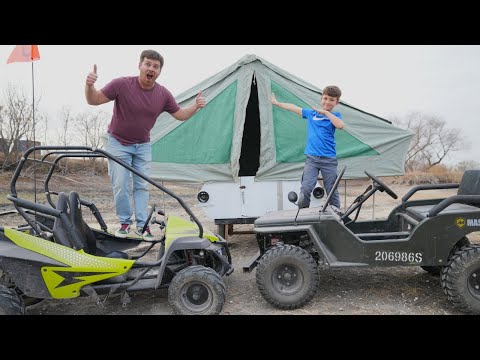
382 187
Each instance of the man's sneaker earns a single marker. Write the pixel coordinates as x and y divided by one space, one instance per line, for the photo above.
123 231
147 235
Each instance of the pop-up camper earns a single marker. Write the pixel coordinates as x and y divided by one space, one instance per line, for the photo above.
249 154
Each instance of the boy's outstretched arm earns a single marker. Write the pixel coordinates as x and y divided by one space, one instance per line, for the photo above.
290 107
336 121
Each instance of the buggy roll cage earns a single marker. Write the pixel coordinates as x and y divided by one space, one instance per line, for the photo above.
75 152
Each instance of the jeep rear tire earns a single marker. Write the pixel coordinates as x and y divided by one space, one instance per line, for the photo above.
287 277
436 270
461 279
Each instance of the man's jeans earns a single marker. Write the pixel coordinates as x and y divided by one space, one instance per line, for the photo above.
328 168
139 157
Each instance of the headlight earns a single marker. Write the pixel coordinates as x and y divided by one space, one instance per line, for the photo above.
292 197
203 196
318 193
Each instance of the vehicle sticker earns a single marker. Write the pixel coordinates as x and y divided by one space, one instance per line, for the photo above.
398 256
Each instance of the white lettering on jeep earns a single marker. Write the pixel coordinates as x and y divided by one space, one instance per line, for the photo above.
473 222
397 256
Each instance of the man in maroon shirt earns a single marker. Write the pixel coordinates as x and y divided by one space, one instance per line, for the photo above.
139 100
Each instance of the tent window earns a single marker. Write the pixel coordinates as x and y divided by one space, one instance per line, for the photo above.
249 158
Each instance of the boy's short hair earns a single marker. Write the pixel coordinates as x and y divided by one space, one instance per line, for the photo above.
333 91
153 55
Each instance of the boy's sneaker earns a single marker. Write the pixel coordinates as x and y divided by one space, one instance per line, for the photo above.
147 235
123 231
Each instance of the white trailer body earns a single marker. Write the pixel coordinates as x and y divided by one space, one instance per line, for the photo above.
244 201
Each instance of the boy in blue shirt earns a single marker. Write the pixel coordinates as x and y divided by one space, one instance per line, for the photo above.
320 149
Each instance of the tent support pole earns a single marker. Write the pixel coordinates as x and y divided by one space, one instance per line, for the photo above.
373 207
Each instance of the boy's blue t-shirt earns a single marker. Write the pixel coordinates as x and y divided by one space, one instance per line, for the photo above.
321 134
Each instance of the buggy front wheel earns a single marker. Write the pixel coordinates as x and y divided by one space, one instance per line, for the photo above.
10 302
197 290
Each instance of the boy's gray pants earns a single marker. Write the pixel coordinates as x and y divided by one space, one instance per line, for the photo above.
313 165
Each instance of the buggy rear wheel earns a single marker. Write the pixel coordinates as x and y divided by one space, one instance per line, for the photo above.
287 277
10 302
461 279
197 290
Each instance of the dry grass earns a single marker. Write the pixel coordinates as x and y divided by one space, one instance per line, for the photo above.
69 166
83 166
430 177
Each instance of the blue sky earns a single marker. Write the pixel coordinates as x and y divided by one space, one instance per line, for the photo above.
387 81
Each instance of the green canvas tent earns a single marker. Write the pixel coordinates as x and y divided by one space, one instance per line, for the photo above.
239 132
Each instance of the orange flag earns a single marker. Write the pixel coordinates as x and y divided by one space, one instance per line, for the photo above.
24 53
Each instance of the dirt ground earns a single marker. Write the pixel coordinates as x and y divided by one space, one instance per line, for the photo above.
349 291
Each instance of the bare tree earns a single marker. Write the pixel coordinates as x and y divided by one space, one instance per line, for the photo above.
432 141
98 127
16 123
38 125
64 132
89 128
41 124
64 135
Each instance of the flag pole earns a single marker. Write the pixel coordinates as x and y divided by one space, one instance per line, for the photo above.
34 142
28 53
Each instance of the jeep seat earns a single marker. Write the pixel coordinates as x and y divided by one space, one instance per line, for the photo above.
470 185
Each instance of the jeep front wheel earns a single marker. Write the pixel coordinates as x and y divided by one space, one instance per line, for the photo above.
287 277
